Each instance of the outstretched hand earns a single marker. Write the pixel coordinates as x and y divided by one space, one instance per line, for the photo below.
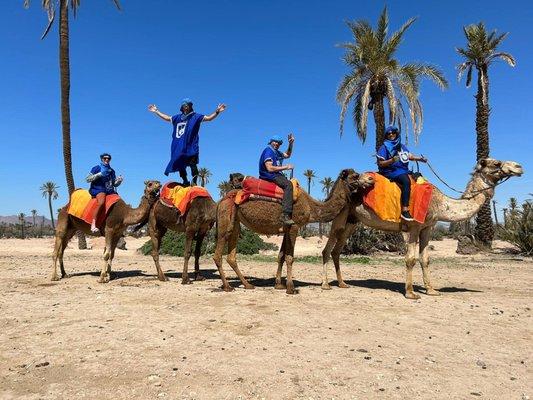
220 108
289 166
290 138
152 108
423 159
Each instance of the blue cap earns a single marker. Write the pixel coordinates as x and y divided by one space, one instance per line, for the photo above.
391 128
105 155
276 138
186 100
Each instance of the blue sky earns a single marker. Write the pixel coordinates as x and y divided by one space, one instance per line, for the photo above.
276 66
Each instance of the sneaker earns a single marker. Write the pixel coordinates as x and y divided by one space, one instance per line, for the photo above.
406 215
94 229
287 220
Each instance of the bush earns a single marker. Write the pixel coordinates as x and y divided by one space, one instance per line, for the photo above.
367 241
518 228
173 244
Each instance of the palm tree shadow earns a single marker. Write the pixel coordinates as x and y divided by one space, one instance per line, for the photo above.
399 287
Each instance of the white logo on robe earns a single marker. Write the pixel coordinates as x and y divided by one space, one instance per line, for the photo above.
404 156
180 129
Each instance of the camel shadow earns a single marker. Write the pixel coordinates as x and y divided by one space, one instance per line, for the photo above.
270 282
206 273
114 274
399 287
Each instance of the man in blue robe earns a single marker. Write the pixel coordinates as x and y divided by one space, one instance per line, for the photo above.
184 151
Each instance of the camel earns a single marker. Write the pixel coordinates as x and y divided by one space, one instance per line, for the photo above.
264 217
118 219
487 174
196 223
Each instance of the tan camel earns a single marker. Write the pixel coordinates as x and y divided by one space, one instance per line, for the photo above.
487 174
119 218
196 223
264 217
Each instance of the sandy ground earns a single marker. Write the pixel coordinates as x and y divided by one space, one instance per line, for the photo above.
140 338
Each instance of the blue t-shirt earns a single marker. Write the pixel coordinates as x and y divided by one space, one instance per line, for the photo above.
185 140
104 184
269 154
395 169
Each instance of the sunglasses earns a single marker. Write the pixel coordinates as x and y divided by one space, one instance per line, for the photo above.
106 158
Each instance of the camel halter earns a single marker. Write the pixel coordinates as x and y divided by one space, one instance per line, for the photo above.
491 186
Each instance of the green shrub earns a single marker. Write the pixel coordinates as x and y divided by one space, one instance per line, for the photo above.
173 244
518 228
367 241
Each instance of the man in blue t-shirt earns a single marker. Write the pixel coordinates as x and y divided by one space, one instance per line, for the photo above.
184 151
270 167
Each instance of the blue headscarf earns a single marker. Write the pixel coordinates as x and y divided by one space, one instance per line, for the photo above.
393 146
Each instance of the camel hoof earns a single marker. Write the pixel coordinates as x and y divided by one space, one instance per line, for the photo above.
65 276
186 282
290 289
249 286
228 288
55 278
344 285
432 292
199 277
280 286
412 296
162 278
103 279
325 286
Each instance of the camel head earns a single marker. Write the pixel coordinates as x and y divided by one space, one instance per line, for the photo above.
151 189
235 180
354 181
494 170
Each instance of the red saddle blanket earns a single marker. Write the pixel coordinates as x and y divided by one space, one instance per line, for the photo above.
384 199
261 189
83 206
174 195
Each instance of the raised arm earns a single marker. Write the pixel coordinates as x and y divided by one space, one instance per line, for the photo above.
212 116
288 153
153 108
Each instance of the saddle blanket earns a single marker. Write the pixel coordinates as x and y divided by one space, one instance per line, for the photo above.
174 195
259 189
82 206
384 199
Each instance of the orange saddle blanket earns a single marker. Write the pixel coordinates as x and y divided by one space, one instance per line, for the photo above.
259 189
174 195
384 199
82 206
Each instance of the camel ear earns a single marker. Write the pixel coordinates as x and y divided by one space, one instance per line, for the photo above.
344 174
146 182
483 162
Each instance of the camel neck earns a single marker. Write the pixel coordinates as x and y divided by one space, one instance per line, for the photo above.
137 215
325 211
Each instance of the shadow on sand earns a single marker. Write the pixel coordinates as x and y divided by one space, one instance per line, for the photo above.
399 287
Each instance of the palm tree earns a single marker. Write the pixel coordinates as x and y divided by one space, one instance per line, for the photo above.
49 189
375 75
224 187
22 221
33 214
327 184
204 174
481 51
64 70
310 175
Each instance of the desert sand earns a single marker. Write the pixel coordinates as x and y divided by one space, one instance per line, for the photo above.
138 338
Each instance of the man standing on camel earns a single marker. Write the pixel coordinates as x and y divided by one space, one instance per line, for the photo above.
184 151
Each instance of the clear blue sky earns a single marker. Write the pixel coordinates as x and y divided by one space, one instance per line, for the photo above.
276 66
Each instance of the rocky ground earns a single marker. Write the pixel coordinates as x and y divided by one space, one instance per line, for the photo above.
140 338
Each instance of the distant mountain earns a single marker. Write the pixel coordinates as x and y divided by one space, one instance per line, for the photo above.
14 219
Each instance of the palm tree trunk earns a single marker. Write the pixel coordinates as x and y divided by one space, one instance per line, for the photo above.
379 120
64 70
308 185
51 212
484 226
495 214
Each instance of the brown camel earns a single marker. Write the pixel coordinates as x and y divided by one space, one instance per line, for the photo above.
487 174
196 223
118 219
264 217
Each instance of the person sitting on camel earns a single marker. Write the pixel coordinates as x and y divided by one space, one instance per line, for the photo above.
393 162
184 151
103 182
270 167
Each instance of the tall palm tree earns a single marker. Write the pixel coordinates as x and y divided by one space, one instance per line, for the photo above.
64 70
224 187
204 174
375 75
481 52
49 189
327 184
22 222
33 214
310 175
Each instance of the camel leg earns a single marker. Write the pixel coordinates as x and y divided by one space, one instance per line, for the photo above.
104 276
336 252
64 243
326 253
289 256
62 235
425 234
189 236
197 253
217 258
281 261
114 242
410 261
232 257
156 235
57 255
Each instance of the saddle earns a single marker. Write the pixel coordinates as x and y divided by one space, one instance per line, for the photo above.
384 198
82 206
260 189
180 197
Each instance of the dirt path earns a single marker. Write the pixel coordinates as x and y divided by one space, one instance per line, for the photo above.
140 338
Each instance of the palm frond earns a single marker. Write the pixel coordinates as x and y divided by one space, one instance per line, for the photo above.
469 76
508 58
363 118
391 96
396 38
383 25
